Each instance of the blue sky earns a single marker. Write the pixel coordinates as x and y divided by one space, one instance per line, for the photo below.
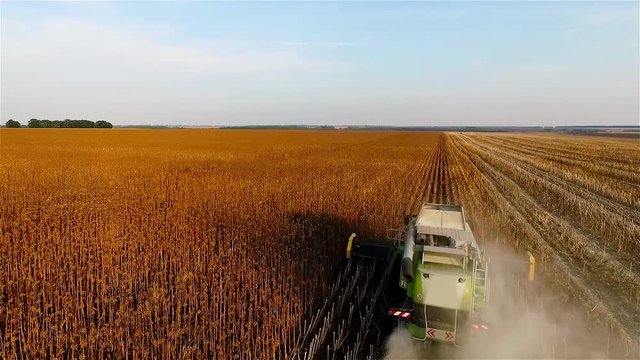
391 63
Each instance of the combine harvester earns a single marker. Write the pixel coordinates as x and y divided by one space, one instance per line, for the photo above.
431 275
444 278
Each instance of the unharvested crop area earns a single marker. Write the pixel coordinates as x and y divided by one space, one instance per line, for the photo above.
223 243
185 243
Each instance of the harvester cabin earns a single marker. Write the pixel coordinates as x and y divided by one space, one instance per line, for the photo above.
444 235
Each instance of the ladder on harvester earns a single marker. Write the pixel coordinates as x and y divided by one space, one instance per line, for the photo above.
480 283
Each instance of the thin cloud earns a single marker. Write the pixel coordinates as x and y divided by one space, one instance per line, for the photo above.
614 17
71 44
86 69
403 14
569 32
127 70
526 73
318 45
478 62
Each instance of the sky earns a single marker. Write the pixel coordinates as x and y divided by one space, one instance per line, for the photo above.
504 63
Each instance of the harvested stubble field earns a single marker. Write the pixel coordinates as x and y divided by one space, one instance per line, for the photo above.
575 203
218 243
185 243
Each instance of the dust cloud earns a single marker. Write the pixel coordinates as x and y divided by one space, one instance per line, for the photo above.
400 345
524 320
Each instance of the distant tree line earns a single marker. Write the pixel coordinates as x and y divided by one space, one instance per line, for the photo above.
68 124
65 124
12 124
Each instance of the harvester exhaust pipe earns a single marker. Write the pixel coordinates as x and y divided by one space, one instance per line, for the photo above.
409 243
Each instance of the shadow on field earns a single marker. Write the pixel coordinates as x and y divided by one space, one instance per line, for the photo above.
323 238
342 308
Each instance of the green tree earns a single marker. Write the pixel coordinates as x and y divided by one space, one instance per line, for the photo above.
103 124
12 124
34 123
